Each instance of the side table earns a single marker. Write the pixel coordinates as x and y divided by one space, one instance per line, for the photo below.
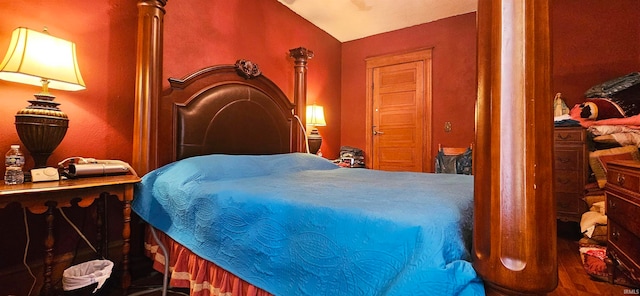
45 197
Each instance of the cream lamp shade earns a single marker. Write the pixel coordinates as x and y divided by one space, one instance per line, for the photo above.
37 58
315 115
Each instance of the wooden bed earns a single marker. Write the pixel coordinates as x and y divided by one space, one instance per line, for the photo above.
514 229
232 134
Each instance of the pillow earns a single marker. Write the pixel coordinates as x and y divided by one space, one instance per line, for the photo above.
593 261
598 160
605 139
601 108
226 166
592 199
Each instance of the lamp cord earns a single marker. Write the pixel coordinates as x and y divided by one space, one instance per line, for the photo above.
78 231
304 131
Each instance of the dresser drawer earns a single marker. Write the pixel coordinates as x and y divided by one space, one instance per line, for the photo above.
623 212
569 135
569 158
569 203
569 181
623 247
617 177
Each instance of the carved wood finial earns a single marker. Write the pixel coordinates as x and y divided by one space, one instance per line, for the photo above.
155 3
301 53
247 69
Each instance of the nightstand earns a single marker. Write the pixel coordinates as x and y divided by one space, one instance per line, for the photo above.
45 197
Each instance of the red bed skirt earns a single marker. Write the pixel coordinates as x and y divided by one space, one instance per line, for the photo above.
188 270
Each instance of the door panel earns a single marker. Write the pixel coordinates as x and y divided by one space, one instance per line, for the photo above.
397 117
398 112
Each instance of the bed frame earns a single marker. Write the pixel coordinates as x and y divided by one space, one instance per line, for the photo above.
514 231
226 109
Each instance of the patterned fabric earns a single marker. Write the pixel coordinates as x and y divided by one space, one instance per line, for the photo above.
188 270
296 224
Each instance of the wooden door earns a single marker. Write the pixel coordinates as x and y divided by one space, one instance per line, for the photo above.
399 112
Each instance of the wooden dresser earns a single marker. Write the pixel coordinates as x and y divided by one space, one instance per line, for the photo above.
570 170
623 212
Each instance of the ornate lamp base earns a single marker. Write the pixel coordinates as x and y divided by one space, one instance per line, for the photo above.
41 127
315 141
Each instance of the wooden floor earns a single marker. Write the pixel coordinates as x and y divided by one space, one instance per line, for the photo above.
572 279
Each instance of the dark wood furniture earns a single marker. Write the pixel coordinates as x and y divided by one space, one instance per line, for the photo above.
623 212
45 197
570 172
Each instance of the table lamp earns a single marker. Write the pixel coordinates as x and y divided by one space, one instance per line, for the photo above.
37 58
315 117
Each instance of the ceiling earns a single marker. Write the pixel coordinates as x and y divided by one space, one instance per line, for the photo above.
348 20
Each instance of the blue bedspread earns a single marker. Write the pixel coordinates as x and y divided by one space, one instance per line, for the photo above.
296 224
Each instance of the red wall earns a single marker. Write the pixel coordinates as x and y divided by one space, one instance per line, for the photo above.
593 41
454 77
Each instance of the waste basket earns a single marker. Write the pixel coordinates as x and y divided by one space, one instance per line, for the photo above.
83 277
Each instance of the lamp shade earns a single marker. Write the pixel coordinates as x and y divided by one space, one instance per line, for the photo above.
315 115
35 56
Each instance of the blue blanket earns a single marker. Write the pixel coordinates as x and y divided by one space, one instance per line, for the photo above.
296 224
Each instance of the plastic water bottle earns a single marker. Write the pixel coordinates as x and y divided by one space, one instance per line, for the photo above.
14 161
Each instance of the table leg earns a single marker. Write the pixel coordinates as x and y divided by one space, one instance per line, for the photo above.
48 248
126 234
100 225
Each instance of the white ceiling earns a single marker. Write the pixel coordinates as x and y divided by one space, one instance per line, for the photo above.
348 20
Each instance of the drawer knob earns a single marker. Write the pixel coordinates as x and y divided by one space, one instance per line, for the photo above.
564 160
615 234
612 204
564 181
620 179
564 137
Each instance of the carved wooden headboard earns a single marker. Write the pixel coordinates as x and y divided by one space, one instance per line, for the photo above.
231 109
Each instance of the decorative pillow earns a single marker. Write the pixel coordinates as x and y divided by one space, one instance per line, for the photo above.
601 108
593 261
598 160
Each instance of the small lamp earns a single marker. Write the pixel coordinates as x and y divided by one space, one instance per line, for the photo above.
315 117
37 58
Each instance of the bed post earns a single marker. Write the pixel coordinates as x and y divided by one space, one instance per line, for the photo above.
148 84
515 222
301 55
